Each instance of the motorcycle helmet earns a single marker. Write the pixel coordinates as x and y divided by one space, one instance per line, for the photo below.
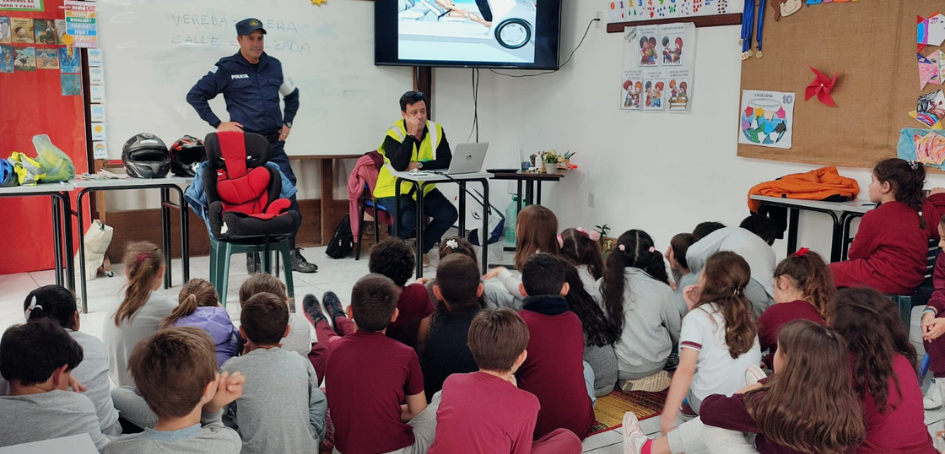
7 175
146 156
186 153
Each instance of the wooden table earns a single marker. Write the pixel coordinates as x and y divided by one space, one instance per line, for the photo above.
531 180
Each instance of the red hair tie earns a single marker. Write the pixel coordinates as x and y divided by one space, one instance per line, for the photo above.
801 252
142 257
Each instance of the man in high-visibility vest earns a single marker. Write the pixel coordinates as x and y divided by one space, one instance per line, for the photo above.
414 142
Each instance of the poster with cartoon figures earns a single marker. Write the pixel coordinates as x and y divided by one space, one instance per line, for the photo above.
25 59
47 58
631 90
680 87
68 64
45 31
767 119
647 38
6 59
654 90
672 41
22 30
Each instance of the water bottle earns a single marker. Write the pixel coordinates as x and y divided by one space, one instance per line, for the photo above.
511 216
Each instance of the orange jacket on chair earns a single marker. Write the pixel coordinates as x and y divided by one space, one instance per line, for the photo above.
819 184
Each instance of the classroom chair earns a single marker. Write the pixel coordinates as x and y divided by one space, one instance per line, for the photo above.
922 294
368 204
246 213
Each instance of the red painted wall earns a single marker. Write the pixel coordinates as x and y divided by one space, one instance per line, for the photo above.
31 103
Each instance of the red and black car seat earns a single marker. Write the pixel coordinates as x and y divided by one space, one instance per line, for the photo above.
242 192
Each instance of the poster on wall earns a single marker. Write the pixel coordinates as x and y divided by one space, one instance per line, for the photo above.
68 64
25 59
767 119
632 90
654 90
672 40
680 86
47 58
6 59
71 84
5 30
44 31
97 93
22 5
646 39
22 30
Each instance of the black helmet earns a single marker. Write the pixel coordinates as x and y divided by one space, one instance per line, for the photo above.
146 156
186 153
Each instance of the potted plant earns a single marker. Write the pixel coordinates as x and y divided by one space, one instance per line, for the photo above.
566 161
606 243
551 160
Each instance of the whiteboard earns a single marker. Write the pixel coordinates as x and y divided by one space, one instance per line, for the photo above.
154 51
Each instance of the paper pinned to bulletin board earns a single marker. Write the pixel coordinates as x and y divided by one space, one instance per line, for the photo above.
767 119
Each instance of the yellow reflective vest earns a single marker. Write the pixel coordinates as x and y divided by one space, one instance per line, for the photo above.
426 151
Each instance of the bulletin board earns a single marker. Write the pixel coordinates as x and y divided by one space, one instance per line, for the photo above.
872 44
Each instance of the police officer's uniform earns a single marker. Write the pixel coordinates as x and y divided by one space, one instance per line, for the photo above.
251 92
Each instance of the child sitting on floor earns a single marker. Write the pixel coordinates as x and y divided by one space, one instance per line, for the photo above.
369 375
394 259
581 248
638 299
484 412
57 303
600 333
803 289
175 371
932 328
554 368
200 307
682 276
281 409
140 313
444 351
299 339
37 358
493 292
536 230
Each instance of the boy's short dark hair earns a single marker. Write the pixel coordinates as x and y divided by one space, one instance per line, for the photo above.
761 225
264 317
394 259
496 338
373 300
705 228
543 274
458 278
30 353
264 282
680 245
172 368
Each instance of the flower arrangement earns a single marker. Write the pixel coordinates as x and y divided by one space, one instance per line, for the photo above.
551 157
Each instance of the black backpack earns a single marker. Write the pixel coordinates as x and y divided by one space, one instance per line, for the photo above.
342 241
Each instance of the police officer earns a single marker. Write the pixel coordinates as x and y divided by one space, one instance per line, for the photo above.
251 82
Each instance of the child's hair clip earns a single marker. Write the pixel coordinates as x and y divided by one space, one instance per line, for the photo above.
452 244
560 241
141 257
652 249
622 248
594 236
31 307
801 252
914 164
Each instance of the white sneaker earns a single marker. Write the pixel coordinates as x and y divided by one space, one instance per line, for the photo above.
633 436
935 396
753 374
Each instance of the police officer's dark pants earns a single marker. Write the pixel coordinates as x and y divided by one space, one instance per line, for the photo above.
278 157
435 205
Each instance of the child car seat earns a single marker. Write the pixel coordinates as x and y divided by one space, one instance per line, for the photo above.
242 192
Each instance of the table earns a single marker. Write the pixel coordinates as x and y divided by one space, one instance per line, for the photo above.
841 223
421 180
165 185
531 180
62 223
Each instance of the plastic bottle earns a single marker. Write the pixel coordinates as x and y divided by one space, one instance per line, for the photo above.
511 216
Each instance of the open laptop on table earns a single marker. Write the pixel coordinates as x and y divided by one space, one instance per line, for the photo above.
467 158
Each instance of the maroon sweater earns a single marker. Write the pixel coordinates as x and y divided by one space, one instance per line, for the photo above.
890 248
554 369
773 319
901 428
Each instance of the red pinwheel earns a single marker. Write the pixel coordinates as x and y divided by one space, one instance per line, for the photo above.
821 86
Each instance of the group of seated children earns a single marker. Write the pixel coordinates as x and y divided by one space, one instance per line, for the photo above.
513 361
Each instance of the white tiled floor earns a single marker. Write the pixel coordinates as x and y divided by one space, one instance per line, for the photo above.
338 276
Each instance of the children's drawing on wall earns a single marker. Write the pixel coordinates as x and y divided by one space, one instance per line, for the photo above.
22 30
767 119
71 84
672 40
922 145
680 86
930 109
69 64
6 59
931 31
5 30
632 90
646 42
654 90
47 58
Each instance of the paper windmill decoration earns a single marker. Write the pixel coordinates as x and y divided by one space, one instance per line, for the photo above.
821 87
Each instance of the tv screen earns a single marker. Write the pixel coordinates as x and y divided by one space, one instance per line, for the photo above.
467 33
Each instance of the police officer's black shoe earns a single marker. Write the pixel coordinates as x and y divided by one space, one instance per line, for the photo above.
299 264
252 263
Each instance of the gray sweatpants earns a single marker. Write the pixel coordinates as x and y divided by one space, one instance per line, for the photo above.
132 407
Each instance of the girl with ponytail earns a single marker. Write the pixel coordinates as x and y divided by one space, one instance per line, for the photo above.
637 299
140 311
199 307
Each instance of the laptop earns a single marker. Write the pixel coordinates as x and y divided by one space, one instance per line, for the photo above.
467 158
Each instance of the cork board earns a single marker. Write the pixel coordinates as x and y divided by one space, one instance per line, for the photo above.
872 44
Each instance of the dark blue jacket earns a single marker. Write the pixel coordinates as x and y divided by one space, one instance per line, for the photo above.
251 93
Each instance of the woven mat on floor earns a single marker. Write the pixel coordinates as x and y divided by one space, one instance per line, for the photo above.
610 409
